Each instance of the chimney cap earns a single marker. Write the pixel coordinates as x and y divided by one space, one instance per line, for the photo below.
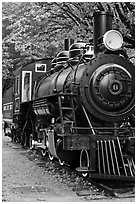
96 13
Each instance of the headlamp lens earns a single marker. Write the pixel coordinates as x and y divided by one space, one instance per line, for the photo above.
113 40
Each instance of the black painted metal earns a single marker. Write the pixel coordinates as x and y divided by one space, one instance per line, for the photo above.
102 23
97 86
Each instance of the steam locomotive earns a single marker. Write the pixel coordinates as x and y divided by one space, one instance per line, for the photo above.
79 106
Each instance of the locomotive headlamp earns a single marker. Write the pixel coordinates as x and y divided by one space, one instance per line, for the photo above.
112 40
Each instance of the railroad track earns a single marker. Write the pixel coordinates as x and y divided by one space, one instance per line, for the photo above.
87 188
121 189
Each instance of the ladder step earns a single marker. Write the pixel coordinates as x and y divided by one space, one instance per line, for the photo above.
82 169
67 108
64 134
42 130
67 94
68 121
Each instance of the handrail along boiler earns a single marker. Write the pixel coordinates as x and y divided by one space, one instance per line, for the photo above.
81 111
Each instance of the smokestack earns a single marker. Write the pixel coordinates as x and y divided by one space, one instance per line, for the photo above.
102 23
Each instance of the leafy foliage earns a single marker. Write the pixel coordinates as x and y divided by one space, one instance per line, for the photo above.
34 30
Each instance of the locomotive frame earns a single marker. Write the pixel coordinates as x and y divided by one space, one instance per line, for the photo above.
79 107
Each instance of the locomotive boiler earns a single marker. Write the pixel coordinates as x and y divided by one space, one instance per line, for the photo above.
82 112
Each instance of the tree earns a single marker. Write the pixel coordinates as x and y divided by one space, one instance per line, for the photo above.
33 30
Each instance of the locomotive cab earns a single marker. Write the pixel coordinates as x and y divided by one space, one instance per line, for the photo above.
23 91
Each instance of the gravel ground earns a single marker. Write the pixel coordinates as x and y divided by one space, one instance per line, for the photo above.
24 181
